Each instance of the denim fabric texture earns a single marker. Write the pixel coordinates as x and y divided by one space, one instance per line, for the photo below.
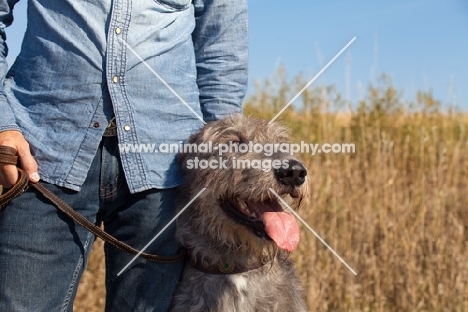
43 252
81 61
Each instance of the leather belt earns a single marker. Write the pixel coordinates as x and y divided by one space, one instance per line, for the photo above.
111 129
8 156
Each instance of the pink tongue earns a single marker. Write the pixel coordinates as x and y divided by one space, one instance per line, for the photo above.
282 228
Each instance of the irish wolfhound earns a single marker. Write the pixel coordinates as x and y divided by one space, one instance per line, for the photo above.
238 235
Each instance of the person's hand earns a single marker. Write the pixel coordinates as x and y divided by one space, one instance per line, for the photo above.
9 173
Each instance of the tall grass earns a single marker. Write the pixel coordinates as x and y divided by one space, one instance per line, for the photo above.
396 210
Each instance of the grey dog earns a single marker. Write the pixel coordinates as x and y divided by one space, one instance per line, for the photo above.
238 235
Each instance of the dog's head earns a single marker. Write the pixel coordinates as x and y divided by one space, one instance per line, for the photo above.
244 164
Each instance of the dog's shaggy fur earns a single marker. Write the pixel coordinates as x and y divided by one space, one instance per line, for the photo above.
224 224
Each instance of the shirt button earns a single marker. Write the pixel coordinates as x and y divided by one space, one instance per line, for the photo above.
115 79
118 30
96 125
126 128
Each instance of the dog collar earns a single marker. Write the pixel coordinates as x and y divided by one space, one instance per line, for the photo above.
225 266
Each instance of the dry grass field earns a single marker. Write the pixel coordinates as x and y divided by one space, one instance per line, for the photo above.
396 210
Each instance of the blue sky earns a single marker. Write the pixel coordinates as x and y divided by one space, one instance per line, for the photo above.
421 44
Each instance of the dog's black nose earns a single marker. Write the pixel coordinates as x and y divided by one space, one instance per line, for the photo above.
294 175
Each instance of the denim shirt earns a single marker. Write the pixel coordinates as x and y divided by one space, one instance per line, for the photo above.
83 61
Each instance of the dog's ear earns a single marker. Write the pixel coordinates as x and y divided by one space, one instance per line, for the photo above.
279 131
197 138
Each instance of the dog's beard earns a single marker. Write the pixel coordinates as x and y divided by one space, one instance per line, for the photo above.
266 219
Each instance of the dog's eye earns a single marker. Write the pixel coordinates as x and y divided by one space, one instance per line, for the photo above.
236 142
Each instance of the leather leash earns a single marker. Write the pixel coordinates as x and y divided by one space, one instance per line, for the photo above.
8 156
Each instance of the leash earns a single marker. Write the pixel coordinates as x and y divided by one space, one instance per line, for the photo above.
8 156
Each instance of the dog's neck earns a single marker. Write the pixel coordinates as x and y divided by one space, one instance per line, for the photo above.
228 261
227 265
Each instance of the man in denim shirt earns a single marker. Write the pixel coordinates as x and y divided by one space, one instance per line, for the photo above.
162 68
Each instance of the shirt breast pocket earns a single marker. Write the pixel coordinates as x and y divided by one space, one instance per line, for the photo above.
176 5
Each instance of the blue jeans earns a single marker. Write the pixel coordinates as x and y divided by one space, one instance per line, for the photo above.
43 252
